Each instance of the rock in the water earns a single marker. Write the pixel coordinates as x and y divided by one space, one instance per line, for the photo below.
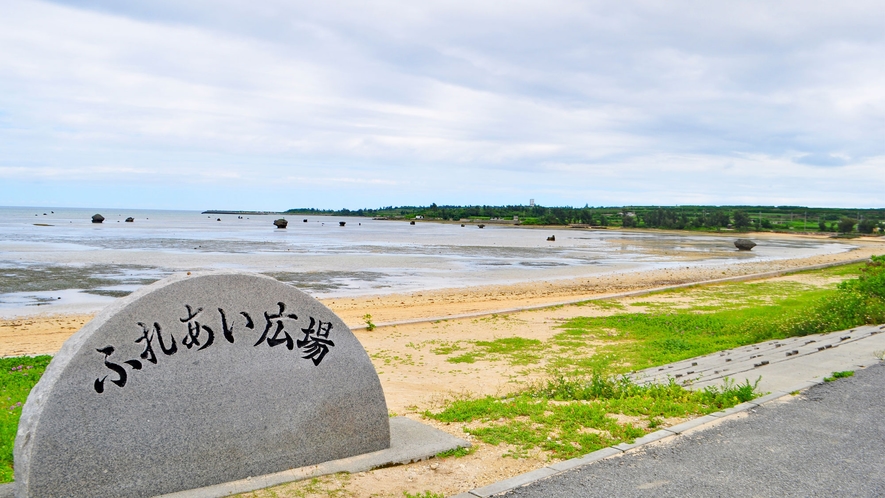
551 238
341 223
130 219
281 223
481 226
97 218
744 244
411 223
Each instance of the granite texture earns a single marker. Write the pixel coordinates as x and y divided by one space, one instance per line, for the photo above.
232 403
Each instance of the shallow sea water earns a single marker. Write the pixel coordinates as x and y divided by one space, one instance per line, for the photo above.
56 260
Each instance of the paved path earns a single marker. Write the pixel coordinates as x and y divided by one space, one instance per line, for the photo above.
827 441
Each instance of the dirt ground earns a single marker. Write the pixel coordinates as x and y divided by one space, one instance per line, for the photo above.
416 376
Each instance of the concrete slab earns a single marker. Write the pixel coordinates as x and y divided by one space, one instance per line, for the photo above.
410 441
7 490
513 482
770 397
801 386
648 438
735 409
691 424
586 459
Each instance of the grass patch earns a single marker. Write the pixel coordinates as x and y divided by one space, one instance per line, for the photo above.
457 452
425 494
743 314
516 350
839 375
569 417
17 377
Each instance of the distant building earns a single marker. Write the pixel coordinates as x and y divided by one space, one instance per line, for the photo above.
531 203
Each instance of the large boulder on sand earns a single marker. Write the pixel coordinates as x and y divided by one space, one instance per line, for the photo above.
281 223
744 244
97 218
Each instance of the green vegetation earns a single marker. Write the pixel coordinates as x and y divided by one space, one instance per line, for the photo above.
457 452
519 351
695 321
748 313
839 375
17 377
569 417
584 408
702 218
425 494
369 325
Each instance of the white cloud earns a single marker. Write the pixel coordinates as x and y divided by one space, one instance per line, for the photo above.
477 102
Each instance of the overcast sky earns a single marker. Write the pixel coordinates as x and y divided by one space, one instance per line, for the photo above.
274 104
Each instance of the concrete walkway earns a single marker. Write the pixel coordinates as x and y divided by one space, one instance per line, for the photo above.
676 461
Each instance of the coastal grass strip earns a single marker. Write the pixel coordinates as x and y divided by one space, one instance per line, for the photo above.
570 417
18 375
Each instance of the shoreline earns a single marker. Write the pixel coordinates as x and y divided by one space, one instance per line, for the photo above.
45 333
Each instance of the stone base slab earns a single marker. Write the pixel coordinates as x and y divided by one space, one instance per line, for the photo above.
410 441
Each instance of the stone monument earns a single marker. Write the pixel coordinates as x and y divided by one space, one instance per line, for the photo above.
197 380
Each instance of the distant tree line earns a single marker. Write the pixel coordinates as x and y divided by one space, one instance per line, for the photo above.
700 218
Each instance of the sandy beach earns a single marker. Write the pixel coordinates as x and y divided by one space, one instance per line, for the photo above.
416 378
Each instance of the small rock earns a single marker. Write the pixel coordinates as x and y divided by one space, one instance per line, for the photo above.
281 223
744 244
130 219
97 218
551 238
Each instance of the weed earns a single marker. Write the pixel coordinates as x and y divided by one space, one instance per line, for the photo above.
457 452
517 350
603 304
425 494
839 375
445 347
368 319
